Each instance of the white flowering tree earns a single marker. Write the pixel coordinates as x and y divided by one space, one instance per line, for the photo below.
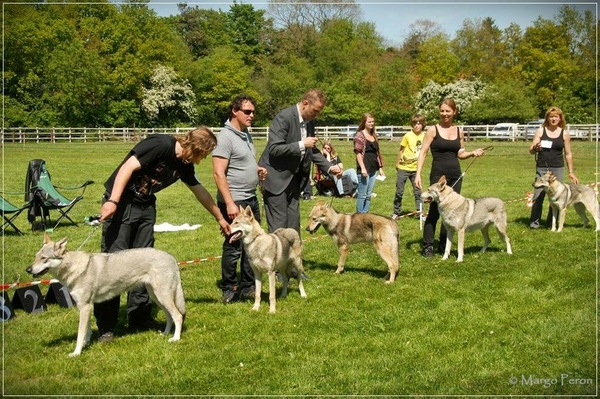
464 92
168 100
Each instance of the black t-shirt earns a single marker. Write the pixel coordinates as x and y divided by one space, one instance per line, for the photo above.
160 169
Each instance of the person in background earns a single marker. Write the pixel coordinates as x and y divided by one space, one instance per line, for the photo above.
333 158
447 144
368 161
129 210
290 149
237 175
406 164
551 146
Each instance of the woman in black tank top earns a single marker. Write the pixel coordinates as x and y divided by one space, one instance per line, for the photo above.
447 146
551 146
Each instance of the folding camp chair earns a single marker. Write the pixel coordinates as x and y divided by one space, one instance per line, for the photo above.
13 211
45 197
325 184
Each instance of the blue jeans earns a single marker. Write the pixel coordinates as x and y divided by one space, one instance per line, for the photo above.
338 182
364 191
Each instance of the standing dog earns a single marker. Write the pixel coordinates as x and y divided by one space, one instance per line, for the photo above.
464 214
94 278
280 251
562 195
346 229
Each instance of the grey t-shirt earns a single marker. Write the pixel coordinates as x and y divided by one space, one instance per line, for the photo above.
242 171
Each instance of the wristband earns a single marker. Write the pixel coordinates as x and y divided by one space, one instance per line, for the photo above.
112 202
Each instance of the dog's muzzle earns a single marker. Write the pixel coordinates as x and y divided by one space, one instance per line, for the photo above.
311 231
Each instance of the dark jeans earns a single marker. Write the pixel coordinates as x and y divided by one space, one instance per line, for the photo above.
132 226
401 178
234 252
434 214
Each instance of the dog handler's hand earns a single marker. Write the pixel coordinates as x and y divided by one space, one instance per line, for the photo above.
108 209
225 228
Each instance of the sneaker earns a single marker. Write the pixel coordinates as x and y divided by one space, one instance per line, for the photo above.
373 195
106 337
428 252
248 293
229 296
534 225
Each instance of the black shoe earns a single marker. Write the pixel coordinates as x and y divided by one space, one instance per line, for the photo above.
428 252
248 293
106 337
229 296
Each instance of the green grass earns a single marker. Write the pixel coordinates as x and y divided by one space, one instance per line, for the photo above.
442 329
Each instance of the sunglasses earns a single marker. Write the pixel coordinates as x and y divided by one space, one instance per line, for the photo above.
248 111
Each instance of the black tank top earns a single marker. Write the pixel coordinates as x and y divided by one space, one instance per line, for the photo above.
445 157
551 154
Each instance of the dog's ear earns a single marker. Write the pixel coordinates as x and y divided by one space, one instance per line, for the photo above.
248 212
61 247
47 238
442 182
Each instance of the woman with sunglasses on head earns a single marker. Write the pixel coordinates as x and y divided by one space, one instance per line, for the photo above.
332 156
447 144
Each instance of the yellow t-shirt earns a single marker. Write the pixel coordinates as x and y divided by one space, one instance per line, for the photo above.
411 143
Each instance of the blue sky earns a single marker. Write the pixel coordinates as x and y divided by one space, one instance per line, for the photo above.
393 18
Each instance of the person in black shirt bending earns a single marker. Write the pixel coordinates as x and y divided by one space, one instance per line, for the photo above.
129 213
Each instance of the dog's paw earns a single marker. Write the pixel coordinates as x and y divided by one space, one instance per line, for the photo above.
174 339
74 354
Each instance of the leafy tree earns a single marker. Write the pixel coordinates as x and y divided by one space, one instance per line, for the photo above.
506 100
479 49
464 92
202 30
248 30
217 79
435 60
168 100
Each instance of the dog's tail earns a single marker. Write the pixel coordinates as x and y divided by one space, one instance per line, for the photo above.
179 299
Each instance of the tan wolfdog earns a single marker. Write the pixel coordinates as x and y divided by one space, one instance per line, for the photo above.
98 277
347 229
460 214
562 195
280 251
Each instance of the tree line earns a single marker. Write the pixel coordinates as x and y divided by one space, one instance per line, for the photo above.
122 65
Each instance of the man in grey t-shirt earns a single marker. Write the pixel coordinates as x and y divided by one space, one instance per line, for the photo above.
237 174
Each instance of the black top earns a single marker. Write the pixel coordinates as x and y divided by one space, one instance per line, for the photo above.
160 169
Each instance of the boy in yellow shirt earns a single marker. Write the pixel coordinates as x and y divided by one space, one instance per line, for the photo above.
406 164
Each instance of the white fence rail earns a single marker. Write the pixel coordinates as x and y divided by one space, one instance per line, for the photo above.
55 135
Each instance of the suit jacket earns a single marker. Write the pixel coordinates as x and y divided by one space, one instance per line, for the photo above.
282 156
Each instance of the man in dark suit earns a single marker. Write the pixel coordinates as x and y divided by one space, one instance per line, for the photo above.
290 150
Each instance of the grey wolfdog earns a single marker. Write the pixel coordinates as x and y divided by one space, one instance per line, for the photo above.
346 229
462 214
94 278
562 195
268 253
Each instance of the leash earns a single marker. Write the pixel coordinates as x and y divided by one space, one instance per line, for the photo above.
488 148
91 219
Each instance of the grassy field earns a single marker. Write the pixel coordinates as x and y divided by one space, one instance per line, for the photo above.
496 324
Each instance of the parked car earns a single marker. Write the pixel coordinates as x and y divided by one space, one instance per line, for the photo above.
504 131
347 132
531 127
